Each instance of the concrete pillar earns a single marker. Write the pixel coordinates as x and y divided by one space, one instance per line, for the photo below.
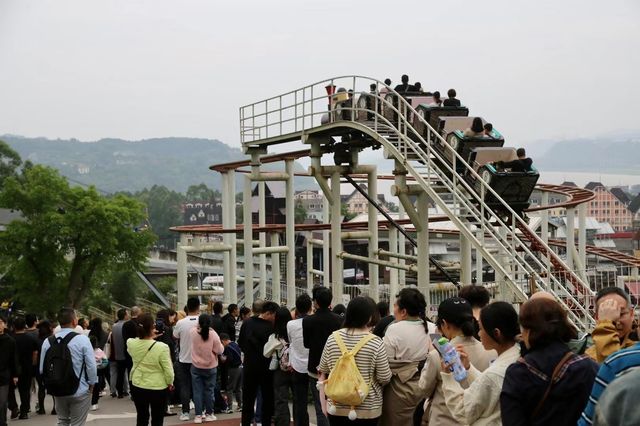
248 242
393 272
402 244
465 260
262 238
181 271
326 260
308 236
423 247
544 233
479 265
290 235
336 241
372 213
570 236
582 234
233 254
226 220
275 270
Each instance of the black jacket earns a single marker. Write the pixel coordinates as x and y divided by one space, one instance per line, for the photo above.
316 329
524 386
229 326
216 323
519 165
9 365
129 331
254 333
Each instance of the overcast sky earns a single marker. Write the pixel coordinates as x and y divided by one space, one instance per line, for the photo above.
150 68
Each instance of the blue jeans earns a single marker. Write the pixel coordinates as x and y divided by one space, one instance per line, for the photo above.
203 382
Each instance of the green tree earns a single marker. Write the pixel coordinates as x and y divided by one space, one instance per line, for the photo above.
300 213
9 162
164 209
202 193
67 238
346 214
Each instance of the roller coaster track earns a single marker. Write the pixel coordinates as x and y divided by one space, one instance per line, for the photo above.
298 116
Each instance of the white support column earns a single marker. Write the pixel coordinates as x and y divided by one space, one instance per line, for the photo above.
233 254
326 259
181 270
479 277
275 270
372 213
248 242
544 231
226 238
582 234
336 241
465 260
571 214
290 234
262 238
402 244
308 237
393 272
423 247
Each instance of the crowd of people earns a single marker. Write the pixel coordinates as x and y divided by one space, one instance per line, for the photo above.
530 367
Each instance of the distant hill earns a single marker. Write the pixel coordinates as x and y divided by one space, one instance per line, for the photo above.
120 165
617 156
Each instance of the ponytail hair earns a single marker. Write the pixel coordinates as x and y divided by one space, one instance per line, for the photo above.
413 302
204 321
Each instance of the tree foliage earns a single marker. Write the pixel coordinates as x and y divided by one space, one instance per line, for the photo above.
68 237
202 193
9 162
164 209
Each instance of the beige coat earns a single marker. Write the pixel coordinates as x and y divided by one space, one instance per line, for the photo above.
430 382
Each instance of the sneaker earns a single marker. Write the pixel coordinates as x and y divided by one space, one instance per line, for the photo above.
103 393
113 395
23 416
210 418
15 413
197 419
185 417
94 407
239 409
227 411
54 412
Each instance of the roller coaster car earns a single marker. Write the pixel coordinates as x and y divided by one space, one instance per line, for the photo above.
413 99
432 114
513 187
452 131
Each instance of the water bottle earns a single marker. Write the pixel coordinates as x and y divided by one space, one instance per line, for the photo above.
450 356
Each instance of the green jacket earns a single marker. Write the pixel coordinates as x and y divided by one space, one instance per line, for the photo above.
152 367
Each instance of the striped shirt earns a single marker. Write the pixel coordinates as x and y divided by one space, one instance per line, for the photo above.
613 367
373 363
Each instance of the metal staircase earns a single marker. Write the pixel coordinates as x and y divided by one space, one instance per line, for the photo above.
522 259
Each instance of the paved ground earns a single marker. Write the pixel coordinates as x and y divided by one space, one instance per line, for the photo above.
121 412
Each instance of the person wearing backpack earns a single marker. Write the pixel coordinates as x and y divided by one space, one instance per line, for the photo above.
69 372
277 349
357 367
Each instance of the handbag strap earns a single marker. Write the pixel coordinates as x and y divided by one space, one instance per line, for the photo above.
554 376
145 355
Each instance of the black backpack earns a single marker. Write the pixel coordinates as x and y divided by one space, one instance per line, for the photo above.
57 371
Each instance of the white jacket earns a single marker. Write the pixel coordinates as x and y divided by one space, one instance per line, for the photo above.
479 404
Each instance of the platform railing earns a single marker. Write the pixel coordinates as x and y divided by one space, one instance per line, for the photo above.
302 110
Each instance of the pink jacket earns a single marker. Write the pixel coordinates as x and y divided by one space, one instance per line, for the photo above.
204 353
